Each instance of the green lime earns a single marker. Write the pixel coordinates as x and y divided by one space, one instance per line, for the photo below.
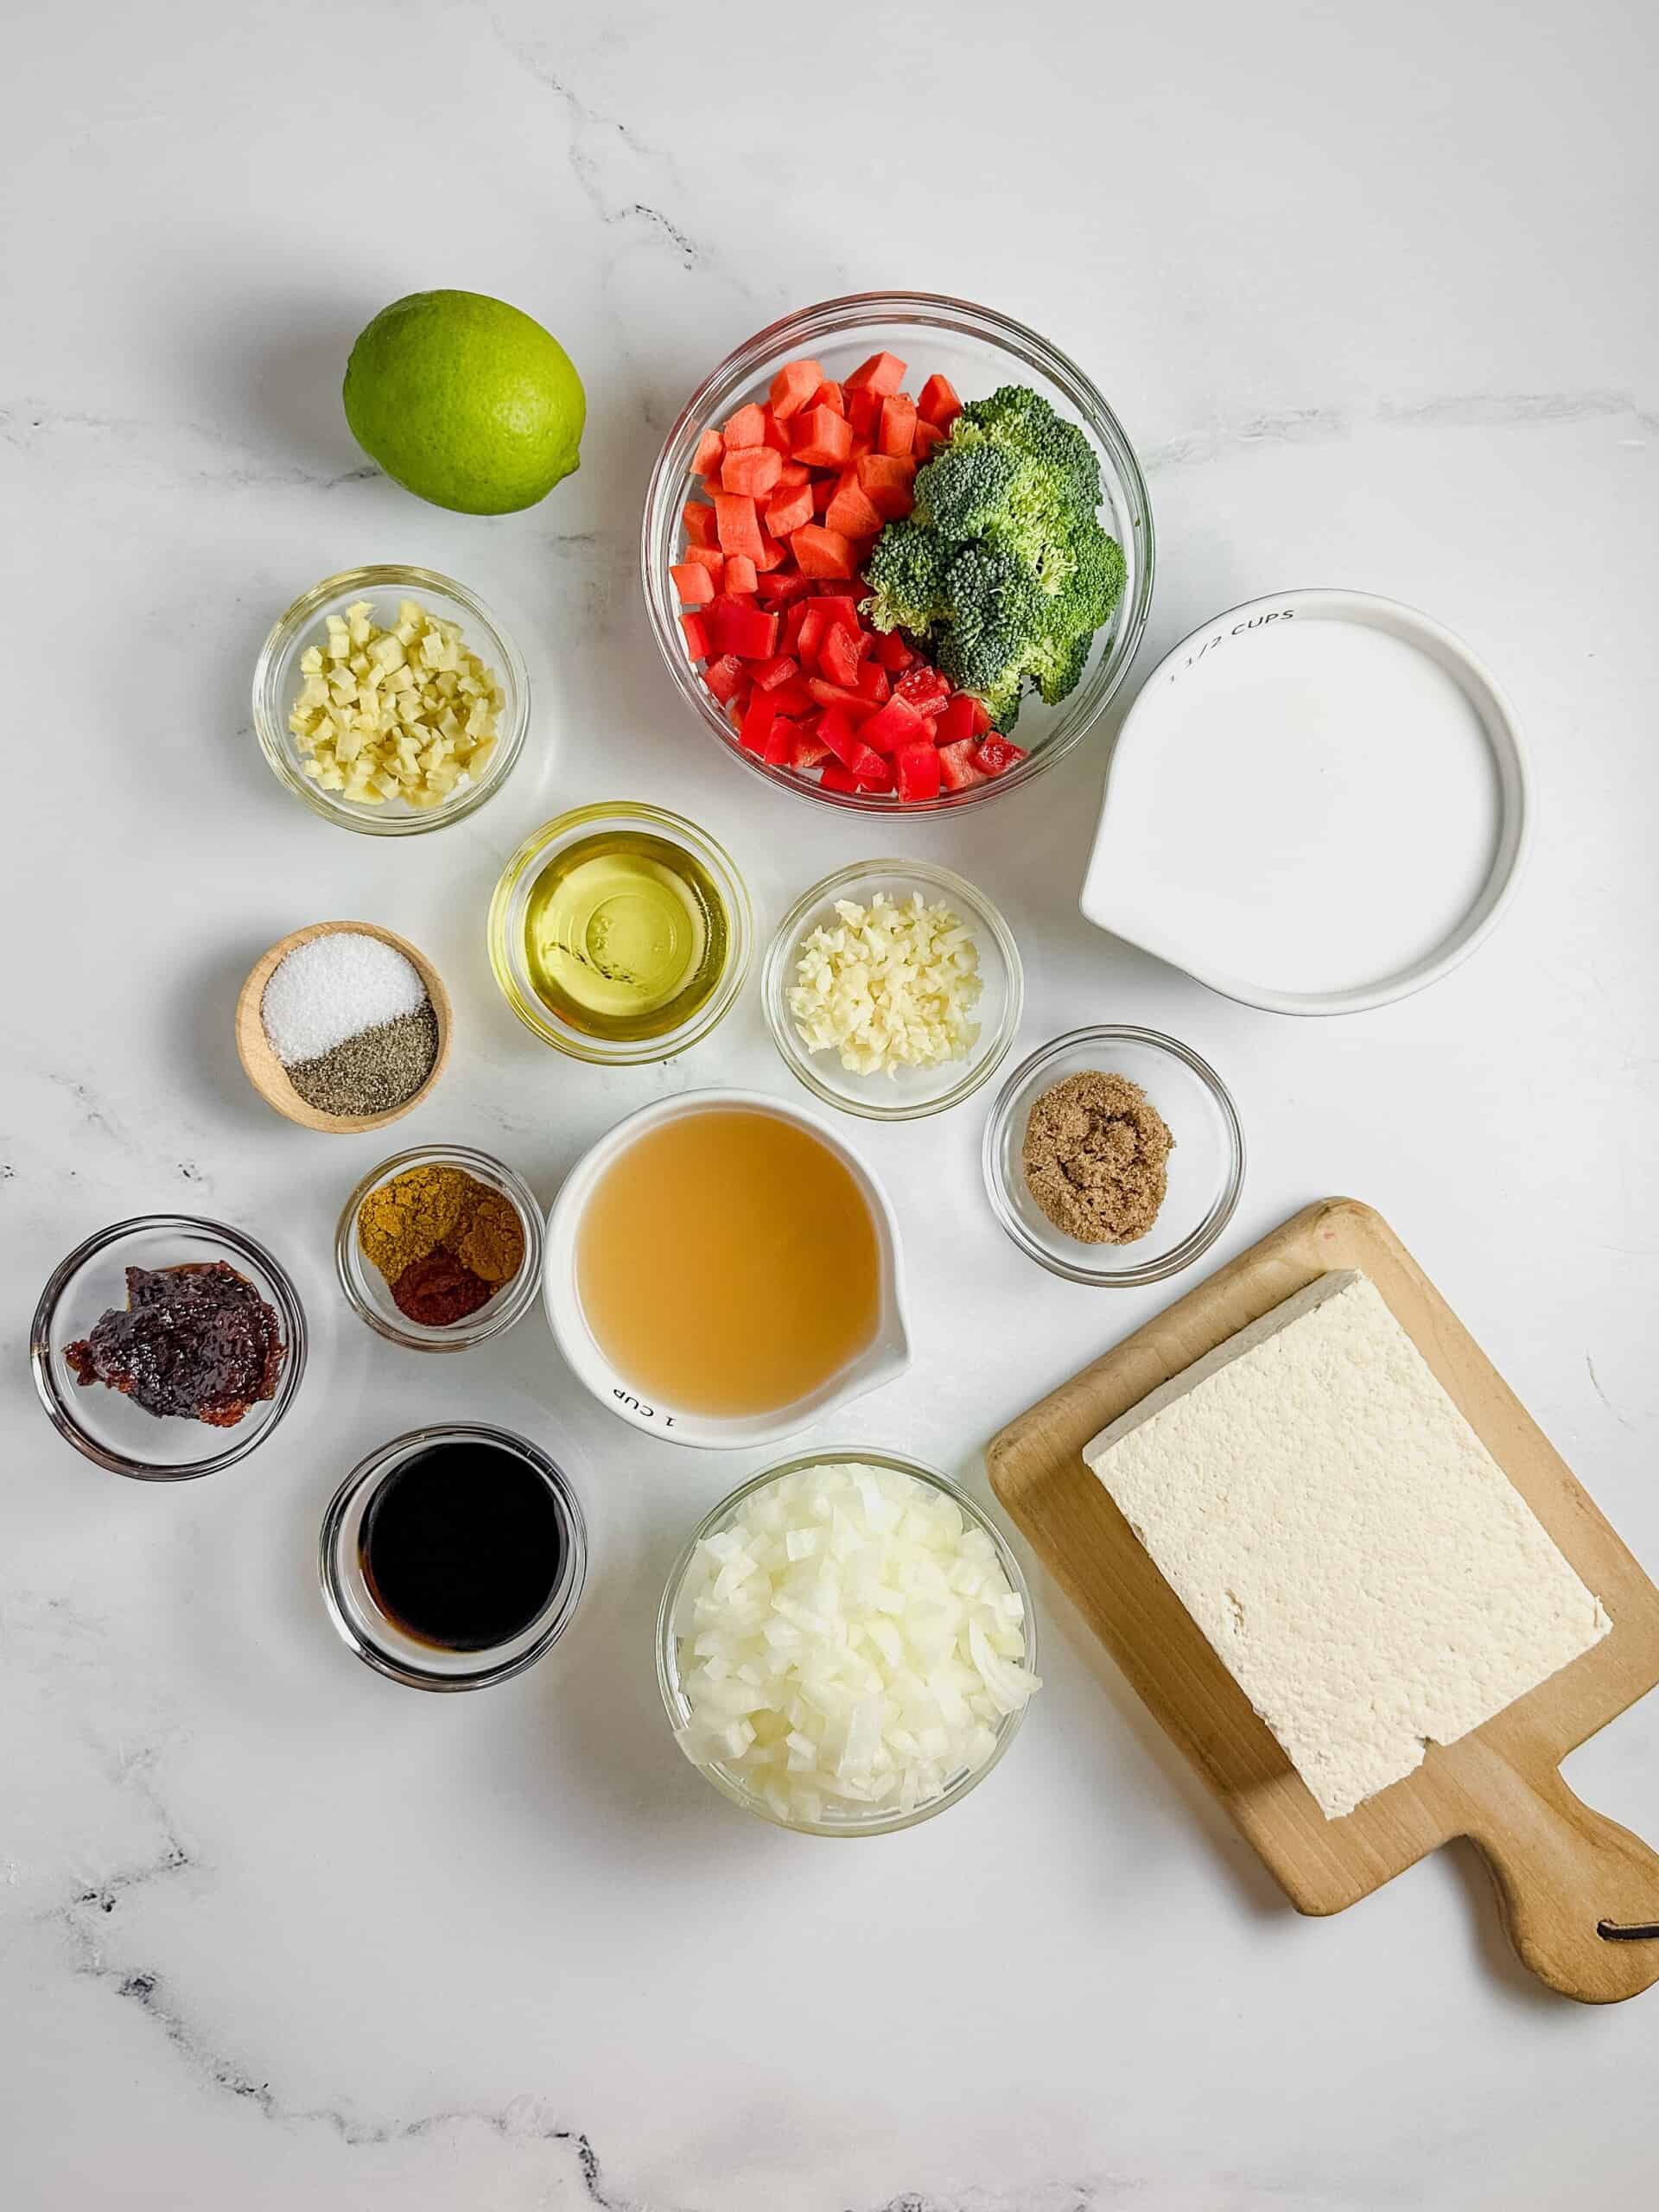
465 402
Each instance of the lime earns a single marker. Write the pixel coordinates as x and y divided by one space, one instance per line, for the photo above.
465 401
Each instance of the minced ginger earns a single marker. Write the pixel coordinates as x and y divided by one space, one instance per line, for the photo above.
407 713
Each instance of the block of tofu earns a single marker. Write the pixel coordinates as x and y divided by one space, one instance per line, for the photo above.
1367 1573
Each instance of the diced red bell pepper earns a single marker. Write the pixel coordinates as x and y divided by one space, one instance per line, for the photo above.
893 653
724 677
937 403
780 741
896 724
741 575
882 373
768 674
874 774
754 469
693 585
697 639
808 752
793 697
787 510
838 695
746 427
828 394
837 778
917 768
851 512
896 430
758 718
794 616
706 460
886 481
982 715
873 683
736 524
996 756
781 586
838 657
922 688
821 552
792 386
835 729
957 720
748 632
699 522
809 640
822 438
841 602
957 769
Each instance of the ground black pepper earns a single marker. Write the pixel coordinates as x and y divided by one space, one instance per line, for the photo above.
374 1071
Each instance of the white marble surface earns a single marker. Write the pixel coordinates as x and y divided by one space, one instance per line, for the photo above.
1373 293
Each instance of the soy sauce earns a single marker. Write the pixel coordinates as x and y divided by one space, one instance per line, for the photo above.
462 1545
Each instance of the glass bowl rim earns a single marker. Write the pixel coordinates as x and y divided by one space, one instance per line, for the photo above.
517 1299
1198 1241
59 1406
639 1051
375 1466
980 1068
288 628
936 309
668 1670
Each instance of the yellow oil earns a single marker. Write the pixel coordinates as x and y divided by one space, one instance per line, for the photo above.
626 935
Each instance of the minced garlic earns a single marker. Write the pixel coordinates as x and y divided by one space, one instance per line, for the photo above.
408 713
888 987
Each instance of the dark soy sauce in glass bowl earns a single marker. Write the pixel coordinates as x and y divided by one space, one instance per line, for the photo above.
462 1545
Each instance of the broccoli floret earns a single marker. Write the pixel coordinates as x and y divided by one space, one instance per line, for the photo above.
1002 564
907 576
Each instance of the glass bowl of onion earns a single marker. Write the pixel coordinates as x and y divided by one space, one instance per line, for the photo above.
846 1646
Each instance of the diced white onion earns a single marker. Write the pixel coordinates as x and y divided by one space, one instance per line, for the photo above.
847 1642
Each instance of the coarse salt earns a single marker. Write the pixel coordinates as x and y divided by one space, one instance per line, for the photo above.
333 988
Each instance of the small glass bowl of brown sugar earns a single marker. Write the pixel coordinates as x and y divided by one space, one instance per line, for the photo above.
1146 1208
440 1248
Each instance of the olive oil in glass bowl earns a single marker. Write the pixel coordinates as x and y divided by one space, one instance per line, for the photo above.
621 933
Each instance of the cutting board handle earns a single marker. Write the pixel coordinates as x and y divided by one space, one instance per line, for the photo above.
1563 1872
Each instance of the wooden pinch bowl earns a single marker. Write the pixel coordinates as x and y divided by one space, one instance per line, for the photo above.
266 1073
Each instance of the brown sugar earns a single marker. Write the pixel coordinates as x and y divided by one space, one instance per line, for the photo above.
1096 1157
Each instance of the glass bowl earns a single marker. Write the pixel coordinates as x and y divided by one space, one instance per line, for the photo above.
106 1424
978 350
1206 1167
512 900
908 1093
856 1820
369 1294
276 680
389 1648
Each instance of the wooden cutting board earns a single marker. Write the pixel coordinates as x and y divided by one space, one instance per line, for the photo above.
1566 1877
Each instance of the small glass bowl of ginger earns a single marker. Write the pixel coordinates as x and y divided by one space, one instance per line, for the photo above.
369 1291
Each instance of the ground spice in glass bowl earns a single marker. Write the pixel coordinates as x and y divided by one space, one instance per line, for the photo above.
440 1248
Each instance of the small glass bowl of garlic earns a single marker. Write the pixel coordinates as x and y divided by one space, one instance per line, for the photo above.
893 989
390 701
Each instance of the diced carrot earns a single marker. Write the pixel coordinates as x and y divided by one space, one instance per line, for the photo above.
863 409
697 640
706 460
938 404
927 440
862 443
882 373
897 429
828 394
776 438
771 554
693 584
823 438
823 490
740 573
724 676
792 386
851 511
788 510
707 557
793 473
746 427
886 482
820 552
736 524
751 470
699 522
